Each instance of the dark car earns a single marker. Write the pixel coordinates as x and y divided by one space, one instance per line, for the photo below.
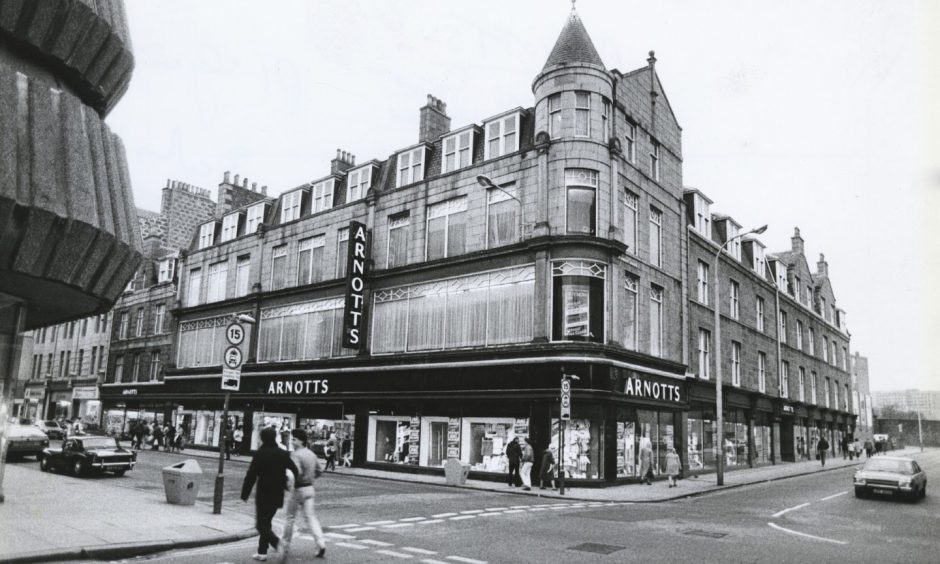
80 455
890 475
25 440
52 429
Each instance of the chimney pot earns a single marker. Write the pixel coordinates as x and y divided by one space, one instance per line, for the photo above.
167 182
264 190
245 182
353 159
237 176
338 153
225 177
254 186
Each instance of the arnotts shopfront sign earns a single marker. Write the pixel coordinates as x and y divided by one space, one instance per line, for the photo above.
640 386
355 284
298 387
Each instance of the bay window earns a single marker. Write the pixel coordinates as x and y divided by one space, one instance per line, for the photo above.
631 286
581 185
578 300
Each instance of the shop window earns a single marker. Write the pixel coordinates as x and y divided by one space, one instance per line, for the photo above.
578 300
735 444
486 309
581 185
485 443
388 439
282 423
700 437
658 429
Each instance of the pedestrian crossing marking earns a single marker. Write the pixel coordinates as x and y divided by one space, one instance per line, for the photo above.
515 511
360 529
401 555
471 511
520 506
375 542
350 545
428 522
432 561
439 515
462 517
497 508
418 550
410 519
399 525
380 523
490 514
338 536
346 526
467 560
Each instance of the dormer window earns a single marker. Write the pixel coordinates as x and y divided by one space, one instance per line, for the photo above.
734 247
323 195
206 235
290 205
410 166
458 151
759 261
358 183
166 270
703 223
230 226
502 136
255 218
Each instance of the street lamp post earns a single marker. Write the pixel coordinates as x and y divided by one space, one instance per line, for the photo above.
718 391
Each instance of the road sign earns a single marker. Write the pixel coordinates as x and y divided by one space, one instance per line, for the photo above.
235 334
231 378
565 400
232 357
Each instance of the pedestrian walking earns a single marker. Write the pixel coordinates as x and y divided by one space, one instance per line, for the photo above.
157 436
238 436
330 451
646 462
514 455
857 447
844 447
346 452
868 448
229 438
547 469
822 447
528 457
182 437
673 466
269 467
302 494
170 438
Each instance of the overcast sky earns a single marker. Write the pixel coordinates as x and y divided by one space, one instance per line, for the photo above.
801 113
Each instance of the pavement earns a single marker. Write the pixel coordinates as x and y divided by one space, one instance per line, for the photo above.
110 521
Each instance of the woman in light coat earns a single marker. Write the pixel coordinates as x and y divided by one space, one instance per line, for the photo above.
646 462
673 466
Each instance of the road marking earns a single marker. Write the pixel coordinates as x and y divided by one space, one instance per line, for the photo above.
360 529
418 550
514 511
779 513
439 515
399 525
489 514
834 495
380 523
393 553
557 507
520 506
429 521
339 536
462 517
467 560
540 509
471 511
410 519
375 542
350 545
432 561
497 508
779 528
346 526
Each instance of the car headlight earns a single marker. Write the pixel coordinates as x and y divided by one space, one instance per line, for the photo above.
905 483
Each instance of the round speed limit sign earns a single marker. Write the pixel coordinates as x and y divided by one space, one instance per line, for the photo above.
235 334
566 385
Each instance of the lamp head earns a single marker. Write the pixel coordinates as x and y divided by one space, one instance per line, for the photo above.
244 318
485 181
760 229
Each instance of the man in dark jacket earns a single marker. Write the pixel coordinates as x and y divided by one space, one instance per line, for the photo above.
269 468
514 454
822 448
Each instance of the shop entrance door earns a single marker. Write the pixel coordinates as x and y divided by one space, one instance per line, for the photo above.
786 440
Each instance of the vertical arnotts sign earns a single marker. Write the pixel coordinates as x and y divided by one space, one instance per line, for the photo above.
355 284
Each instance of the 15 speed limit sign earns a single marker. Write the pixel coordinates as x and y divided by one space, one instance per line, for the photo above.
235 334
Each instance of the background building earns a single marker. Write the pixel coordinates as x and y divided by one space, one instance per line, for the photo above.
927 403
862 396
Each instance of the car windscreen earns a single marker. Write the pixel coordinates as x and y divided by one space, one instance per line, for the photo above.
881 465
102 442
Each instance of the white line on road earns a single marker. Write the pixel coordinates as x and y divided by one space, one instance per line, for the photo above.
439 515
520 506
339 536
360 529
399 525
490 514
401 555
834 495
350 545
429 521
346 526
785 530
418 550
433 561
411 519
462 517
380 523
375 542
514 511
540 509
789 509
471 511
467 560
497 508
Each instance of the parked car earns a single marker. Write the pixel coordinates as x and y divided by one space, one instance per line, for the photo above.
79 455
890 475
52 429
25 440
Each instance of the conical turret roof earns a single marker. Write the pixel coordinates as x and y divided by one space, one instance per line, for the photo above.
574 45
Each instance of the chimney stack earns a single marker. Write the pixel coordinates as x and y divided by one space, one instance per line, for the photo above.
822 267
237 176
796 242
343 162
254 186
433 121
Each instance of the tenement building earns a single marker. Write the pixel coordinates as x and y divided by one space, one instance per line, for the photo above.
142 334
427 305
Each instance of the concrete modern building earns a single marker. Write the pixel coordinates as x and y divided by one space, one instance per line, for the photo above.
68 236
925 402
862 396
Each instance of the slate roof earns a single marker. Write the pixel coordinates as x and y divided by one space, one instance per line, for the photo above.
574 45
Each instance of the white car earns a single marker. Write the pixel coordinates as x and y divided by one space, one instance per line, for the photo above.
890 475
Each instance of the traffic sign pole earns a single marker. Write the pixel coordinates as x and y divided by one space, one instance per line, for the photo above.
232 359
564 414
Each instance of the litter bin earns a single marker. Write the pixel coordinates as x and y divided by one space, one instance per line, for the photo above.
181 482
455 472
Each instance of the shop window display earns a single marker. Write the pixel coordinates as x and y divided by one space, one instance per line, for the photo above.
389 439
283 423
701 440
658 428
582 443
208 424
735 438
321 431
626 449
486 441
762 444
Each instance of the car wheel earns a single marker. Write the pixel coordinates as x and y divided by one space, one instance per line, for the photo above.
78 468
120 472
860 493
43 463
